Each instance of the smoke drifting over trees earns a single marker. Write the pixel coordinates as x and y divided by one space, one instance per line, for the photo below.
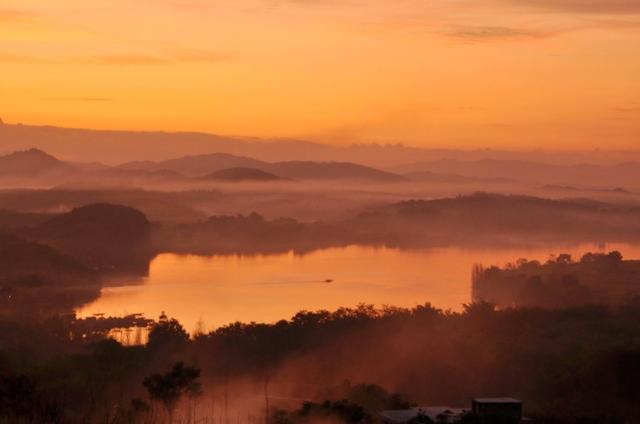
559 335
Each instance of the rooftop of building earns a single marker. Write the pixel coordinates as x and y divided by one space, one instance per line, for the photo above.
497 400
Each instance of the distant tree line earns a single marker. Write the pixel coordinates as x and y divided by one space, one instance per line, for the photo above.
597 278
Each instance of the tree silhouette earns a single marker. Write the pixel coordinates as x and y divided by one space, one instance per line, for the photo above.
167 333
169 387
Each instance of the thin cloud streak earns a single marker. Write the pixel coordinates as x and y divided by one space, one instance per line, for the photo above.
584 6
495 33
12 15
124 59
8 57
179 56
575 6
80 99
630 109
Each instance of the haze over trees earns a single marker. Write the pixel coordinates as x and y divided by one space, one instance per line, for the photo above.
102 235
596 278
566 363
346 243
59 262
169 387
112 238
560 335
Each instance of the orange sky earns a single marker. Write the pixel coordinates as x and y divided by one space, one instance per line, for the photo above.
477 73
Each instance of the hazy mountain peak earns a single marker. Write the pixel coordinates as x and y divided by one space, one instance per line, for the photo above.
242 174
34 151
198 165
332 171
31 162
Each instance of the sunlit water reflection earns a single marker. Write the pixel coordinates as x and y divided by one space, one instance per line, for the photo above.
217 290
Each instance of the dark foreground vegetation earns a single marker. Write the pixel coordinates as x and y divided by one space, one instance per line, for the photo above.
568 365
596 278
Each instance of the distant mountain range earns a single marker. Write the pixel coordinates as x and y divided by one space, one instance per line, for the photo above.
199 165
112 147
332 171
241 174
626 174
40 166
34 163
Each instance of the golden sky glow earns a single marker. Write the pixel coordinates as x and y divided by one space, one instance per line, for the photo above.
501 73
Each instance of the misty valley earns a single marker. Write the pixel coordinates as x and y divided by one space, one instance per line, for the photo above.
225 289
319 212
